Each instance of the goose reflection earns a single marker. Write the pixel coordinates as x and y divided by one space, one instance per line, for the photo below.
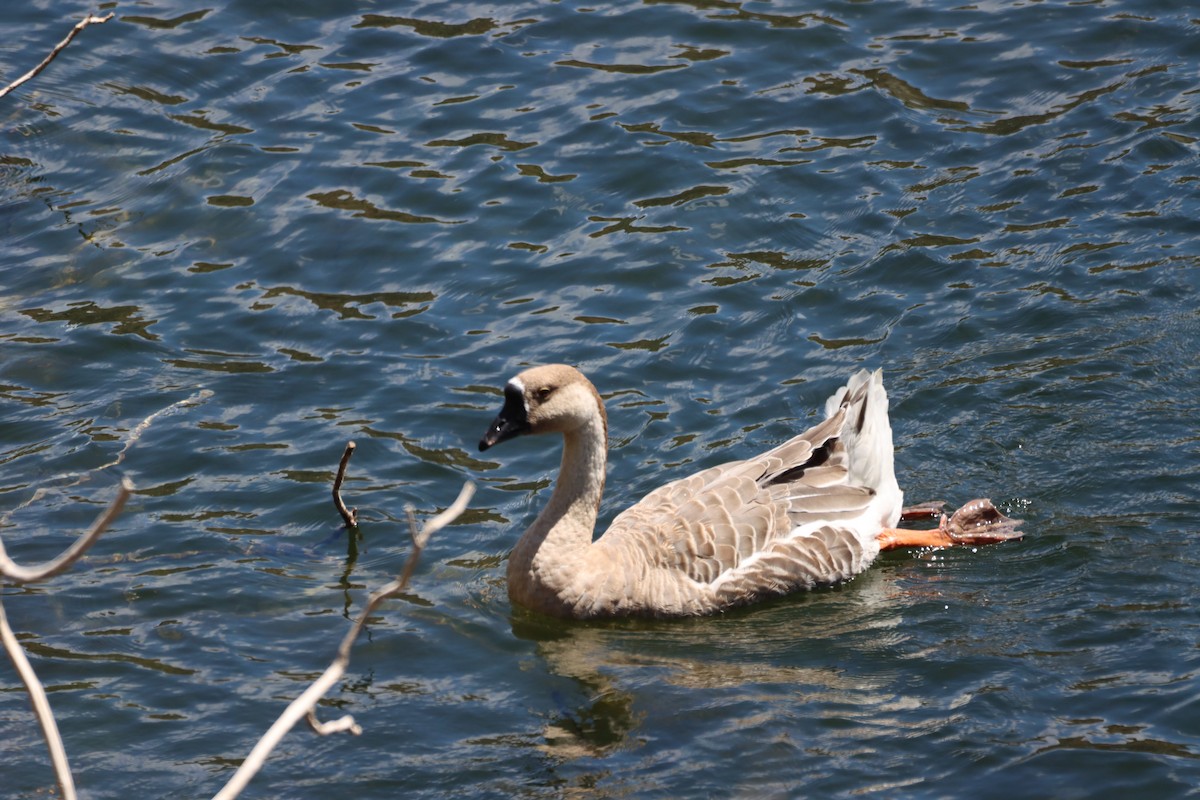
829 650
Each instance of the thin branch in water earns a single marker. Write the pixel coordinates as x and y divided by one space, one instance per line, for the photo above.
305 705
91 19
349 515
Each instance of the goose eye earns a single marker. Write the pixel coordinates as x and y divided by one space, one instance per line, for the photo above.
543 394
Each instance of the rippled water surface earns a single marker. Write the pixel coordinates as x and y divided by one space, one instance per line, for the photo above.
357 220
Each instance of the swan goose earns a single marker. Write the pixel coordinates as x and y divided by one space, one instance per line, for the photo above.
816 510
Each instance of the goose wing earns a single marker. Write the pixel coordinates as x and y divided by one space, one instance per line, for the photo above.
758 527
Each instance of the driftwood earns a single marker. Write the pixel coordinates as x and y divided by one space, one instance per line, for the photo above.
90 19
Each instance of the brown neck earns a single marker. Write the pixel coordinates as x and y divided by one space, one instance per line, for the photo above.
563 531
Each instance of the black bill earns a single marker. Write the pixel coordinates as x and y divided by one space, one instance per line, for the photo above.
512 420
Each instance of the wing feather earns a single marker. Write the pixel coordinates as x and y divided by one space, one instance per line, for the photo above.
711 524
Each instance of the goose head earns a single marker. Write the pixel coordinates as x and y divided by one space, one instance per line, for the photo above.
550 399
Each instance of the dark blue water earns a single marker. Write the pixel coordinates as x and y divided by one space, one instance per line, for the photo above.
356 221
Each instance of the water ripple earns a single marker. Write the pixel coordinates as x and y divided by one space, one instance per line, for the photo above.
358 225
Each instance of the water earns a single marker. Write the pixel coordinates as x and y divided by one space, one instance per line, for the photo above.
356 221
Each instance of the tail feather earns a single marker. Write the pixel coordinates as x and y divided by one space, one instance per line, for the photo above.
867 437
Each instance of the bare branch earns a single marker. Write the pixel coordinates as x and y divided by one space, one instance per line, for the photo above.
41 708
14 572
79 26
350 516
305 705
339 725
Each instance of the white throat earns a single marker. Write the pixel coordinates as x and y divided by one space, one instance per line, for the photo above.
518 387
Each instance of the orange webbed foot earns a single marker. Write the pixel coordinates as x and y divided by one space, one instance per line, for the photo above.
976 523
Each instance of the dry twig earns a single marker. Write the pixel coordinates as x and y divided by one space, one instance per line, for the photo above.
90 19
305 705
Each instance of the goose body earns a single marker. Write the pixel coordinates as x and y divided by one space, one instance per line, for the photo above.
804 514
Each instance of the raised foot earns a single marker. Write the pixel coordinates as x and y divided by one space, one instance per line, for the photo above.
976 523
980 522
